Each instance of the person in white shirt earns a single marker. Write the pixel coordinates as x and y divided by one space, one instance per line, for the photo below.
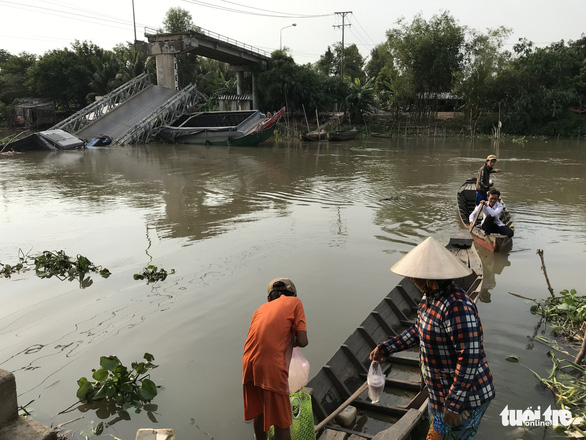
491 212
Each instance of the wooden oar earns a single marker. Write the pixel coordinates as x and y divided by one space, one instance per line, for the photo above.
350 399
475 218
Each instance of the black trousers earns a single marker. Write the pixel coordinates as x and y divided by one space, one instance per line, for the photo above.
490 227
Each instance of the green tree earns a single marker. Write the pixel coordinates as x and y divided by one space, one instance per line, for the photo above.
330 62
483 60
214 79
14 76
381 69
286 83
428 56
65 75
131 63
178 20
326 65
538 88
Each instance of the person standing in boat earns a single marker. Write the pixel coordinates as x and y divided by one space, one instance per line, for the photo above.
483 183
276 327
449 334
491 212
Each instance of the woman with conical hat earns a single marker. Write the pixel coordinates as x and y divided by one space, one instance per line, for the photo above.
449 334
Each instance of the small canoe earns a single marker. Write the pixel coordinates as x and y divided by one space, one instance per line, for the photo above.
313 136
466 204
347 135
381 135
404 400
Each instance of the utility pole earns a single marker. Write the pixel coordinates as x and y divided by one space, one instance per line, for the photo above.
343 14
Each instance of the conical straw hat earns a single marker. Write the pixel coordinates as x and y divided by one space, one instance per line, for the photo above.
430 261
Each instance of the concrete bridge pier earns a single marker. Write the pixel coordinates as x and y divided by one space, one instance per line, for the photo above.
240 83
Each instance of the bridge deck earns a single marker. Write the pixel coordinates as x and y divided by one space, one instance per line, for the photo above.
123 118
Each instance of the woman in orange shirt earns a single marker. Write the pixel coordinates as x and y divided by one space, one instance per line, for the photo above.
276 327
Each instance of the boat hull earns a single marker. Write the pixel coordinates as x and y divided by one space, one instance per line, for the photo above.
403 402
466 202
313 136
339 136
246 128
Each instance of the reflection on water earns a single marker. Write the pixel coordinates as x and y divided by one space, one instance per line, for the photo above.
492 265
332 217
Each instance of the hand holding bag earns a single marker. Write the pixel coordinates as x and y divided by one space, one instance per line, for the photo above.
376 382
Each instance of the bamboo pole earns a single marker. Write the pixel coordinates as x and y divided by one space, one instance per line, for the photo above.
348 401
582 353
540 253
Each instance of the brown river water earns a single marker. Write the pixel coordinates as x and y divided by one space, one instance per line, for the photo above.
332 217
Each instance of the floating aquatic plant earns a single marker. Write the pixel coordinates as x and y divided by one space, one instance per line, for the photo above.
114 382
153 274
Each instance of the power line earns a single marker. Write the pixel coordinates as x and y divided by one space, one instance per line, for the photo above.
240 11
357 22
259 9
70 15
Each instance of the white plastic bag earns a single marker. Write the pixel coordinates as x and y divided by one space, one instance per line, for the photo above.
298 371
376 382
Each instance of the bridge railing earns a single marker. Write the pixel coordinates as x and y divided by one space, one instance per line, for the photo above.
167 113
78 120
152 32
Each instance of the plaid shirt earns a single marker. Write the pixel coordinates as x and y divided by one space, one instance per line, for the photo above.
452 356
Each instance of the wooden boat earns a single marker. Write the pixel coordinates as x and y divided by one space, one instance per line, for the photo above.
347 135
466 204
239 128
404 399
381 135
314 135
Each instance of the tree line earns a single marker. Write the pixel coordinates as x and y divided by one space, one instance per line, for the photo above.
423 66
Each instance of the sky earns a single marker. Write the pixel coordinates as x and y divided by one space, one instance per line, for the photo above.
38 26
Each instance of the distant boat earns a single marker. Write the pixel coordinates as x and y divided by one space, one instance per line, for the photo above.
381 135
237 128
343 135
313 135
466 204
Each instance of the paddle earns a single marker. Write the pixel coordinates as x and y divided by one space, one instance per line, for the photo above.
475 218
350 399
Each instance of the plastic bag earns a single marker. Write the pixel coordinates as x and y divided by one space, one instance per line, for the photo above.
298 371
376 382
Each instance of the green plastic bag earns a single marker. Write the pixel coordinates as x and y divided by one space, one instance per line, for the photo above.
302 427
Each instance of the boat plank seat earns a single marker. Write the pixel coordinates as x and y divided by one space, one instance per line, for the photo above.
344 434
403 428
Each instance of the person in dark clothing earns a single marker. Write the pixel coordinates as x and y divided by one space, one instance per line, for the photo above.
483 184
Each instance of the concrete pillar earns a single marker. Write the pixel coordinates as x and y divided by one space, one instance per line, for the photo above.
166 70
8 407
239 82
254 93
